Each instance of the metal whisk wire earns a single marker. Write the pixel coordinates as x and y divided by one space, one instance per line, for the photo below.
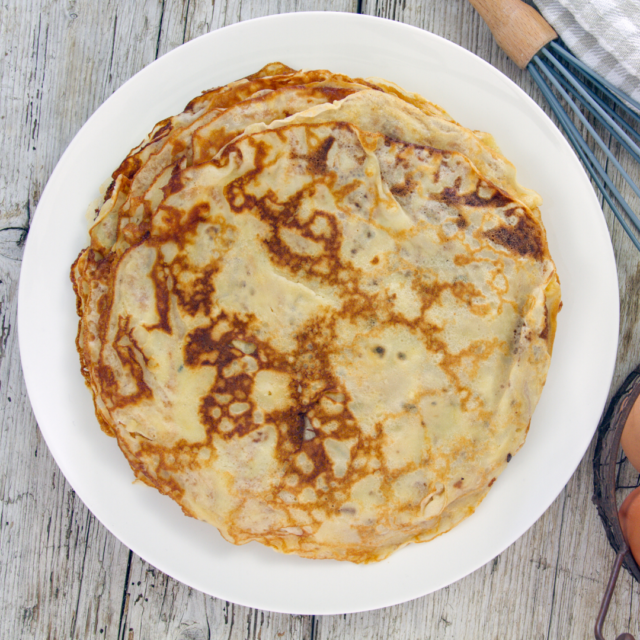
549 69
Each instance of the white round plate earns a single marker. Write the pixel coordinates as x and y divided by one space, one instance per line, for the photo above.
475 94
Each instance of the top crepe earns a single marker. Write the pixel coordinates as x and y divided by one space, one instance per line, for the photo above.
325 322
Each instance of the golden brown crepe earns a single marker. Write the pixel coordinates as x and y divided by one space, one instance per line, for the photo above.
327 331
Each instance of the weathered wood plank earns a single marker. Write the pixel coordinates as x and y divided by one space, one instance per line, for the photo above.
501 600
159 607
63 574
205 16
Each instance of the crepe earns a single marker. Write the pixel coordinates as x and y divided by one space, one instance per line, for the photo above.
328 334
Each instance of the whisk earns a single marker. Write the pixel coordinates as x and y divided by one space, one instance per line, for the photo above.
529 41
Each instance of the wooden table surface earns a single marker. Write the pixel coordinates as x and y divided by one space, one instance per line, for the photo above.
62 574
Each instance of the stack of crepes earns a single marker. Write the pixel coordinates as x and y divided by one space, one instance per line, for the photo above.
317 312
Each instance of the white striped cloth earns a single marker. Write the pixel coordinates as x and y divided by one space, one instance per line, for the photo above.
604 34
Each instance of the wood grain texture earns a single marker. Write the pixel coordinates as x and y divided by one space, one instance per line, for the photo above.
62 574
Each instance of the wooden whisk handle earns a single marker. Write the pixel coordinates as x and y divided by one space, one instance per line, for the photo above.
518 28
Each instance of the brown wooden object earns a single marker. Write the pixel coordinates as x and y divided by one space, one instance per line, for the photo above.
518 28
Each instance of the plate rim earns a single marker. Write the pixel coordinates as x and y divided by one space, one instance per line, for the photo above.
23 321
